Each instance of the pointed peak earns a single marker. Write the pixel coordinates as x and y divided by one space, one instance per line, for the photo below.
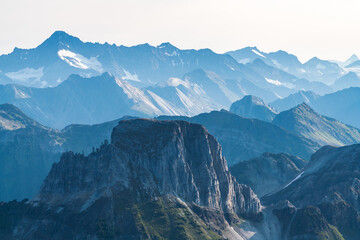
166 45
59 33
59 39
352 59
303 107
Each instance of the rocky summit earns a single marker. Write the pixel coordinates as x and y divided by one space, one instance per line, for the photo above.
155 179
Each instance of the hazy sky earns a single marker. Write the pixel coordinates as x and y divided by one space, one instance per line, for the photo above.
328 29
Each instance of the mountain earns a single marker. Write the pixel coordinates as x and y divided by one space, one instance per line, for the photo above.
341 105
349 80
243 138
304 121
28 149
201 91
281 82
354 64
247 55
85 101
352 59
329 183
61 55
349 61
269 172
315 70
170 182
323 71
280 59
293 100
253 107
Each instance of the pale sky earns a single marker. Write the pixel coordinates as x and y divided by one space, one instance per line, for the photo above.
328 29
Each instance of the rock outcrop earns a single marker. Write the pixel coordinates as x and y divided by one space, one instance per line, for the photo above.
242 138
330 182
173 169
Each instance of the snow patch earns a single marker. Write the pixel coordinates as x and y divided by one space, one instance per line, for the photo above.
257 53
79 61
275 82
174 53
294 180
26 74
276 63
174 82
20 94
278 83
129 76
320 66
244 61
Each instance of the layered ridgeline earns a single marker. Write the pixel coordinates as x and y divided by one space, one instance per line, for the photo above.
253 107
268 172
301 120
86 100
61 55
155 180
341 105
314 70
330 184
304 121
293 100
28 149
242 138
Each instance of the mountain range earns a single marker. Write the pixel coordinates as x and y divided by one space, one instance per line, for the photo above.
175 173
329 184
160 178
65 80
301 120
341 105
101 141
28 149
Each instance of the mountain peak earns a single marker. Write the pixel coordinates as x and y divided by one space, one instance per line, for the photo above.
59 39
304 121
352 59
145 150
253 107
166 45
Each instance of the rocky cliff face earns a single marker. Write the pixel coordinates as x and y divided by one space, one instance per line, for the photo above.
268 172
165 157
330 182
172 168
243 138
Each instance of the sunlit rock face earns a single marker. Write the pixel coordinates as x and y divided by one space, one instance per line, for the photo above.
159 164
